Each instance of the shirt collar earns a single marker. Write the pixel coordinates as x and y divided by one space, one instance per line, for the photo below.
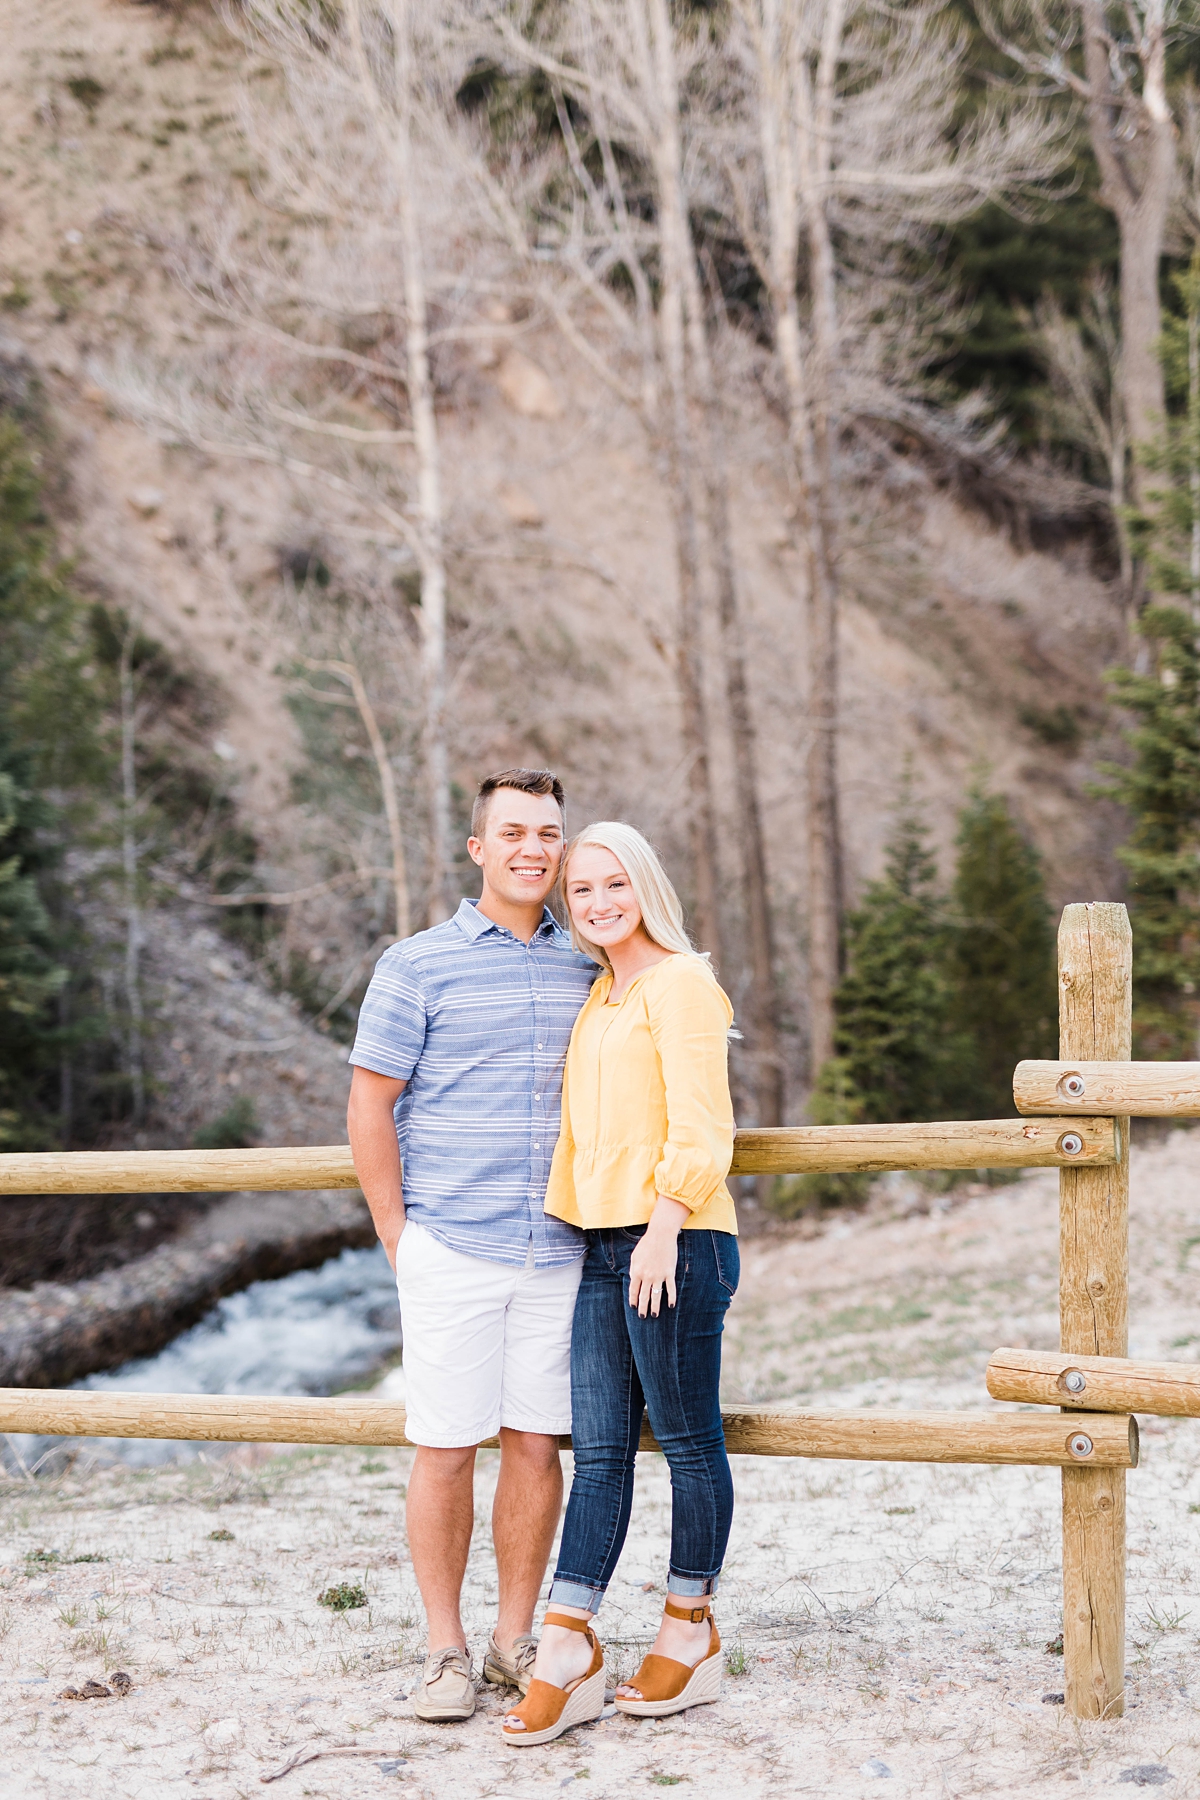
475 924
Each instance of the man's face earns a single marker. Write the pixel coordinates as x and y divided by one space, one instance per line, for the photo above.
521 846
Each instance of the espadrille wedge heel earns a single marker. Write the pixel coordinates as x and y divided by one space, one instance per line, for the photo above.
547 1711
667 1686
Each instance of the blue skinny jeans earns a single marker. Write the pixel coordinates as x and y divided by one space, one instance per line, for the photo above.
670 1367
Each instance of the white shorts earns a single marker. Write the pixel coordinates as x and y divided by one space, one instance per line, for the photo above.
485 1345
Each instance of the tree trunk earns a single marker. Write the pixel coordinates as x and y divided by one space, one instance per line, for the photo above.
676 250
824 825
1138 193
764 1008
135 1048
429 489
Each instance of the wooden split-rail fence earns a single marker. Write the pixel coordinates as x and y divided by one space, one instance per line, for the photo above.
1075 1117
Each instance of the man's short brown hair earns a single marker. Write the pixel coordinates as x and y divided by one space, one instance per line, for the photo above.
526 781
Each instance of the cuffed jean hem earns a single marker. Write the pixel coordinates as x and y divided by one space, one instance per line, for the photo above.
565 1592
692 1587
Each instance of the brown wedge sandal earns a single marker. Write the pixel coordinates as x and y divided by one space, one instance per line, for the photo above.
547 1711
667 1686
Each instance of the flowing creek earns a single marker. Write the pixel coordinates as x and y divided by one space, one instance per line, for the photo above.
313 1332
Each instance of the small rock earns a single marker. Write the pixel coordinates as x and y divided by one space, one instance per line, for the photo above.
121 1683
1054 1699
391 1765
875 1766
225 751
146 500
1147 1775
223 1731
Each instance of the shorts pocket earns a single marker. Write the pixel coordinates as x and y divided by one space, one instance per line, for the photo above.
728 1259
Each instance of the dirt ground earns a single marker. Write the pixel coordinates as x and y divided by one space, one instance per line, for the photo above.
886 1626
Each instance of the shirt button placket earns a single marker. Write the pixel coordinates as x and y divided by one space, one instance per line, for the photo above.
537 1119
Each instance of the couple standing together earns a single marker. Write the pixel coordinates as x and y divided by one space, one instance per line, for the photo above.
555 1280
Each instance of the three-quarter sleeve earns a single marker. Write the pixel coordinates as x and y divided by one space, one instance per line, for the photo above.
689 1019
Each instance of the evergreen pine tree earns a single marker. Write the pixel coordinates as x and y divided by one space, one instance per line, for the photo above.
1161 789
1003 963
893 1032
50 714
1161 786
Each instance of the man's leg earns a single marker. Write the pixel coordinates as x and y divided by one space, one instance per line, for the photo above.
525 1516
440 1513
535 1412
452 1308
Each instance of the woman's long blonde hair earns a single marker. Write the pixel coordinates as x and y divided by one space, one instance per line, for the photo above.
662 915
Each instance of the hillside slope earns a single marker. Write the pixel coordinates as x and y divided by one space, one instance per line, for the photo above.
961 651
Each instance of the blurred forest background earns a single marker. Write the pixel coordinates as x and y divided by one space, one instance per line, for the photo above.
780 416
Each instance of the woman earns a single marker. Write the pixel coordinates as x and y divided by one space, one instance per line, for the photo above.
646 1143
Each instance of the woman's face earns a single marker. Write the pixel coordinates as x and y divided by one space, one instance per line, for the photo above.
601 898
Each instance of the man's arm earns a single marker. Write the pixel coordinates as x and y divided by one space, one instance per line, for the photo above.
376 1151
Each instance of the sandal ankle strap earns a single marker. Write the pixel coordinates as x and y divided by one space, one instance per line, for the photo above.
696 1613
565 1620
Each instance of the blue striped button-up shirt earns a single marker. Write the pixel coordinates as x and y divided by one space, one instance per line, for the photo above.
477 1023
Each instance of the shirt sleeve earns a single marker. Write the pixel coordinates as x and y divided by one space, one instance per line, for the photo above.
689 1020
392 1020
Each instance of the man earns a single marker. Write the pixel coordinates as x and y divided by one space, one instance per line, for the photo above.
458 1069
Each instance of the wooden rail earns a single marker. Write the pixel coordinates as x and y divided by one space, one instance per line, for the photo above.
1101 1440
959 1144
1095 1383
1142 1090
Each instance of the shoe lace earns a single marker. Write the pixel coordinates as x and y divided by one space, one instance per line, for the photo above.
524 1651
448 1659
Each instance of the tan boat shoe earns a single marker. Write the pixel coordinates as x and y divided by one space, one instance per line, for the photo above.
447 1689
514 1670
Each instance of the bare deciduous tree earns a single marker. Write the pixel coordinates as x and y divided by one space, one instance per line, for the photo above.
616 62
837 144
1112 54
1083 357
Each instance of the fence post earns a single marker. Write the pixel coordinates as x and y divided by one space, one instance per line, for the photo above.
1095 963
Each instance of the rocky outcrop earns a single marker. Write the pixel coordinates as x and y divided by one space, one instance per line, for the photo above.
55 1333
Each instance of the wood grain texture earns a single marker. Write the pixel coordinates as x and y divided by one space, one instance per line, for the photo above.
1095 966
1111 1384
1094 1592
1145 1090
177 1171
952 1144
985 1437
958 1144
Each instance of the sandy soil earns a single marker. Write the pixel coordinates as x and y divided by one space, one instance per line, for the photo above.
876 1617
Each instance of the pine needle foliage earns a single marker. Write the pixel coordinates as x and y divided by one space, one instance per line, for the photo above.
1161 790
893 1007
1003 961
50 744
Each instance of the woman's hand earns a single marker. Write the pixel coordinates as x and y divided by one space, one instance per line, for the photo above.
652 1265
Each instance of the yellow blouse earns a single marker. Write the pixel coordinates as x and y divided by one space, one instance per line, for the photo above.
646 1107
